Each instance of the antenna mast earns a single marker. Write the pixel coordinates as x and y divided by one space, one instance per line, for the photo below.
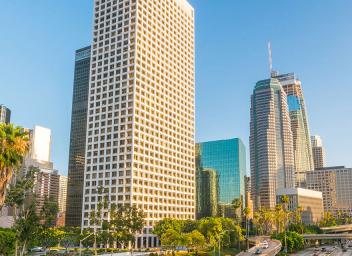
270 58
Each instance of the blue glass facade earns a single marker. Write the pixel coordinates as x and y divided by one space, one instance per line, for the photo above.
228 159
294 103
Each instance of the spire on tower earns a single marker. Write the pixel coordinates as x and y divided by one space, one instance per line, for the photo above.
270 57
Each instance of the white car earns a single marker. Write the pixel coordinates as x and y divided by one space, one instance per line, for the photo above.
265 245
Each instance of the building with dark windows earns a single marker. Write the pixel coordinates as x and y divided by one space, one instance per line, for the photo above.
5 114
78 137
228 159
271 143
299 125
207 193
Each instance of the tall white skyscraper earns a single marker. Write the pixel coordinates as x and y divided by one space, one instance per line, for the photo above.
271 143
40 144
140 127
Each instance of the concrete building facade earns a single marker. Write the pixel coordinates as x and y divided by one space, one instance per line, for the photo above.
318 152
336 185
141 109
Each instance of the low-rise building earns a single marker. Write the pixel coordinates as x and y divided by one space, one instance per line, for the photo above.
310 202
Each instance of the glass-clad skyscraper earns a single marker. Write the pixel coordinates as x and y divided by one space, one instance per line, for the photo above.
228 159
78 137
207 193
299 125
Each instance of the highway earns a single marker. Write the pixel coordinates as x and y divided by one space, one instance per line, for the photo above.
330 250
274 248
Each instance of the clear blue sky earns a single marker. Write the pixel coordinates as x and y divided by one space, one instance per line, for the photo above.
312 38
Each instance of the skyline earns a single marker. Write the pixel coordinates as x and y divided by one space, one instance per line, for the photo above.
23 62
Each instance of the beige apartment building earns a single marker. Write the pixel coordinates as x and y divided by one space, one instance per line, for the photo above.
318 152
141 109
336 185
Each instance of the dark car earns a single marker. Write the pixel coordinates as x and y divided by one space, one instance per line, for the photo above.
258 251
37 249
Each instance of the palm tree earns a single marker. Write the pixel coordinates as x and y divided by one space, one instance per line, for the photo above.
14 144
279 217
285 200
237 205
246 213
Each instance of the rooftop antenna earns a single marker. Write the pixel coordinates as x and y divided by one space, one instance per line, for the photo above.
270 58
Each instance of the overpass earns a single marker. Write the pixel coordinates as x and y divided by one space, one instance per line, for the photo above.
347 236
337 229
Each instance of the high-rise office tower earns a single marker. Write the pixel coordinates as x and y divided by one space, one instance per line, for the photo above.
78 137
271 145
299 125
140 130
318 152
5 114
207 193
228 159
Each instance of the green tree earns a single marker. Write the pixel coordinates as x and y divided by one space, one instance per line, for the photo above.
167 224
328 220
196 241
7 241
49 211
212 230
237 208
48 237
23 203
133 222
170 239
280 216
246 213
188 225
26 227
14 144
294 240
